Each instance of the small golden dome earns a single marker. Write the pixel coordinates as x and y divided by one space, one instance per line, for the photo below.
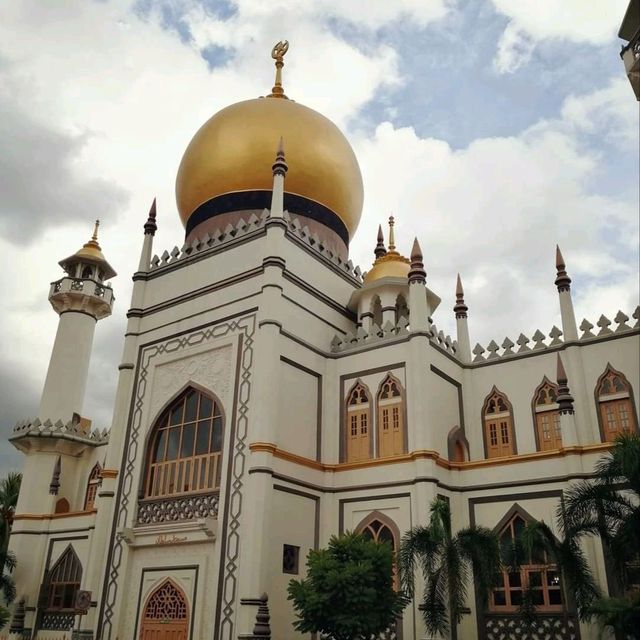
392 265
89 252
234 150
389 264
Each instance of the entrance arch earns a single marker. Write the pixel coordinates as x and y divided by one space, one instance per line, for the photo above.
166 614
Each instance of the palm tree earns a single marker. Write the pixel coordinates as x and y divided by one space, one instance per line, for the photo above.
569 561
9 490
446 561
609 506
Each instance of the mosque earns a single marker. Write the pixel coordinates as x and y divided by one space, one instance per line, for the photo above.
271 394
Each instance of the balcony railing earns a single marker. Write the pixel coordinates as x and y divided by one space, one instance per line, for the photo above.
178 508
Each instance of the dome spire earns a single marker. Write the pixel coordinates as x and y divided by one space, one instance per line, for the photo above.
277 53
380 249
392 235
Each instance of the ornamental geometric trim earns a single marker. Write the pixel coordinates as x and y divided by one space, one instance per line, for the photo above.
166 604
178 509
126 495
543 628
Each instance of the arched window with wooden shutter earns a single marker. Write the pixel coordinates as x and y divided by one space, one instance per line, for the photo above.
63 582
93 484
616 411
497 416
185 447
358 424
547 416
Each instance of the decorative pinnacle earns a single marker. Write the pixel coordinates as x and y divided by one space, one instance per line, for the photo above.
94 237
416 273
262 629
392 235
564 398
277 53
150 226
460 308
380 249
563 281
280 166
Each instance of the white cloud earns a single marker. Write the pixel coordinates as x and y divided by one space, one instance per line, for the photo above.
533 21
134 94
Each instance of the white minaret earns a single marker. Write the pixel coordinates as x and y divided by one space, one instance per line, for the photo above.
418 304
80 298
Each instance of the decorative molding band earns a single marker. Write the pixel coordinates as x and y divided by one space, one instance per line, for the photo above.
109 473
178 508
53 516
422 454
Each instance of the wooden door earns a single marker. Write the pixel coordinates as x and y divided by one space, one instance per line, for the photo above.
358 438
549 433
390 430
615 418
166 615
499 437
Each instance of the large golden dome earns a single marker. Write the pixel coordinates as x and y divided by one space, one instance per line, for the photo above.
232 153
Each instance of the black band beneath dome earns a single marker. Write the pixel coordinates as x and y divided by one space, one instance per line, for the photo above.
247 200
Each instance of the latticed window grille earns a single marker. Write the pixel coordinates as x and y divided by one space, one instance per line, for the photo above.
498 426
616 409
64 581
185 454
166 604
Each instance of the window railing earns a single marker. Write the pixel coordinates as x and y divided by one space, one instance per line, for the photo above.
182 476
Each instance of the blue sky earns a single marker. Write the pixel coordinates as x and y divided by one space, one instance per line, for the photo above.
492 129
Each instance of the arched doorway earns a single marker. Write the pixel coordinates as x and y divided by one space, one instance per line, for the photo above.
166 614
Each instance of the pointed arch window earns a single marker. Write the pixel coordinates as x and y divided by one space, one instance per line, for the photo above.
547 416
615 406
185 452
64 581
358 424
536 573
380 529
390 418
166 614
498 425
93 484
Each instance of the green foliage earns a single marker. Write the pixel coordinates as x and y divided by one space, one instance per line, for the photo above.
348 593
9 489
446 562
609 507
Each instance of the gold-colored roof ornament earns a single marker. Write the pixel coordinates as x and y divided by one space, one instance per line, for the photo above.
277 53
90 252
391 264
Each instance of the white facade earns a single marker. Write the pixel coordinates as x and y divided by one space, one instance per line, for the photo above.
250 318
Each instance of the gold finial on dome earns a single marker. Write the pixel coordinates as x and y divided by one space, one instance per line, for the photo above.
392 236
94 237
389 264
277 53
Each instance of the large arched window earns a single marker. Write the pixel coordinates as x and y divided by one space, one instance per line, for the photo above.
358 424
63 582
498 425
390 418
95 478
615 408
185 452
537 573
547 416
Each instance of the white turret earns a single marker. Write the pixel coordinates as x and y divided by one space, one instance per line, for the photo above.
80 298
460 309
563 282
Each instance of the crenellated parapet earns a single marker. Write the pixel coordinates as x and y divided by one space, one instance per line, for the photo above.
73 430
540 342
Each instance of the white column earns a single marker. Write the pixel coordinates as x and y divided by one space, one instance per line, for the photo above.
64 387
462 326
563 282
